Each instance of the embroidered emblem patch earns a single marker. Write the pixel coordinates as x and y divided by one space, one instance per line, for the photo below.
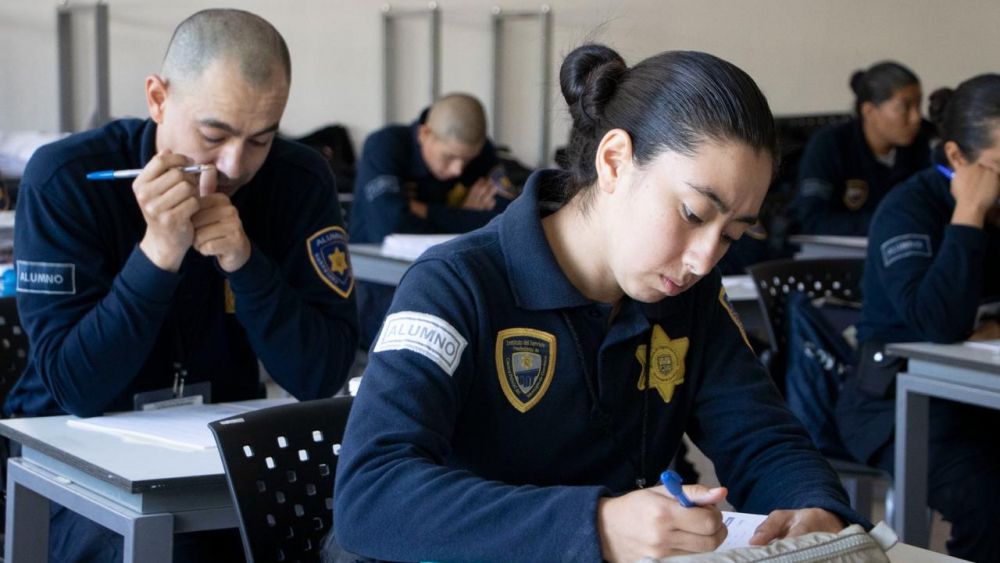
905 246
46 277
328 254
855 193
667 358
526 362
728 306
427 335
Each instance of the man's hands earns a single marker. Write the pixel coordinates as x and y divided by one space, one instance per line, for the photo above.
791 523
976 189
650 523
180 215
481 196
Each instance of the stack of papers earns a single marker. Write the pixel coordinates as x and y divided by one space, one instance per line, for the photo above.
410 247
184 427
987 345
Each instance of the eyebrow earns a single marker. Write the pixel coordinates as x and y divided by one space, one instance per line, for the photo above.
722 206
216 124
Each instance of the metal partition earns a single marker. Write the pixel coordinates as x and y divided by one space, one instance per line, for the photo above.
84 71
501 19
391 18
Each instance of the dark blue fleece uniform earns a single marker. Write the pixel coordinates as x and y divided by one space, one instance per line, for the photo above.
105 323
924 280
500 404
391 173
841 183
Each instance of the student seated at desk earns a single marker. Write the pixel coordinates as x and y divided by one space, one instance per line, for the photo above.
520 404
440 174
847 168
174 280
933 257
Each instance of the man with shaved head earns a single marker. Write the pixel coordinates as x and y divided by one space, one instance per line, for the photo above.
176 285
438 175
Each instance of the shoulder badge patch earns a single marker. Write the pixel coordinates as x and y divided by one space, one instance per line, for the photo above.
427 335
328 253
456 195
667 357
724 301
905 246
52 278
526 362
855 193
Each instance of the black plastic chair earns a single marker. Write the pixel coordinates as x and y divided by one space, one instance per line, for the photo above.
280 464
832 278
13 346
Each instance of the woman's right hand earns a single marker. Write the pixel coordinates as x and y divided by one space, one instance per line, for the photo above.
650 523
976 189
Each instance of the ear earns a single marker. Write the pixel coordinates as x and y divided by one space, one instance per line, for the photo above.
867 109
954 154
424 133
613 158
156 97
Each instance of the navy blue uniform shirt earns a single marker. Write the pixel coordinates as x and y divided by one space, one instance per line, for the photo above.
924 277
841 183
500 404
392 172
104 322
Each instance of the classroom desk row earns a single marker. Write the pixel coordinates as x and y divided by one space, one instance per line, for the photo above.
148 492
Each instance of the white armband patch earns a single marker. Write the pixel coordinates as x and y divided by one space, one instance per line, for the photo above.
905 246
427 335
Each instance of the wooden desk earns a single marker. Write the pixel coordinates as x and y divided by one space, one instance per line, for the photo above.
144 491
946 371
829 246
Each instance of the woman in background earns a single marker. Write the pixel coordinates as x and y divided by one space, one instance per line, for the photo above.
847 168
933 258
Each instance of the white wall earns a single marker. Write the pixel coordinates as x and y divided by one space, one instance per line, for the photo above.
800 51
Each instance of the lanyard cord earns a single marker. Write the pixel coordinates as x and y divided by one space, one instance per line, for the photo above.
604 419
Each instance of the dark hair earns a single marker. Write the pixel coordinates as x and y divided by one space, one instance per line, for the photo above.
673 101
971 113
880 82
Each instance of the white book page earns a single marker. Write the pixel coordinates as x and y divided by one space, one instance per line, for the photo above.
184 427
741 528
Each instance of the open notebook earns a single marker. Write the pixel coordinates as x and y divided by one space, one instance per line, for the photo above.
183 427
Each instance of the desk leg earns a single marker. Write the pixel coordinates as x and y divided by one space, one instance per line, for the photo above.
150 539
27 530
912 421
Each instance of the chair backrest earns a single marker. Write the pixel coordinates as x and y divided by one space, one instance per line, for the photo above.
280 464
13 346
823 277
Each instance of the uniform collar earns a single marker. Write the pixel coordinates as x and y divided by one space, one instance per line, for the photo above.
535 277
147 145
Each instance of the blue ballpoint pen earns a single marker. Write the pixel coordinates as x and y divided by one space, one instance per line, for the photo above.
119 174
946 171
675 485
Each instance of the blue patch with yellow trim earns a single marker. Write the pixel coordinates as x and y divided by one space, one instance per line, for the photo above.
525 361
329 256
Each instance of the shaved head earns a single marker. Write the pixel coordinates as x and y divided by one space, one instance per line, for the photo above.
458 117
235 36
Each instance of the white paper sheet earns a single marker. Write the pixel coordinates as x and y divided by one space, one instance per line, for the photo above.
741 528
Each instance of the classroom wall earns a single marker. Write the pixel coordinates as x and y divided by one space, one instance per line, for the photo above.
800 51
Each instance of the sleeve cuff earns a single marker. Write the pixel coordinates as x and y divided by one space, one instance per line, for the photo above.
145 279
969 237
255 276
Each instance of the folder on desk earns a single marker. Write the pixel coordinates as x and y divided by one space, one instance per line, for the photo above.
184 427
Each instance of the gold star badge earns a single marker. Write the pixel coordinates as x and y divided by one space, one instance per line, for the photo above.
338 261
667 359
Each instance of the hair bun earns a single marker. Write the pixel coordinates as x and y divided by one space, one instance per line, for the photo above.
937 103
588 78
858 82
